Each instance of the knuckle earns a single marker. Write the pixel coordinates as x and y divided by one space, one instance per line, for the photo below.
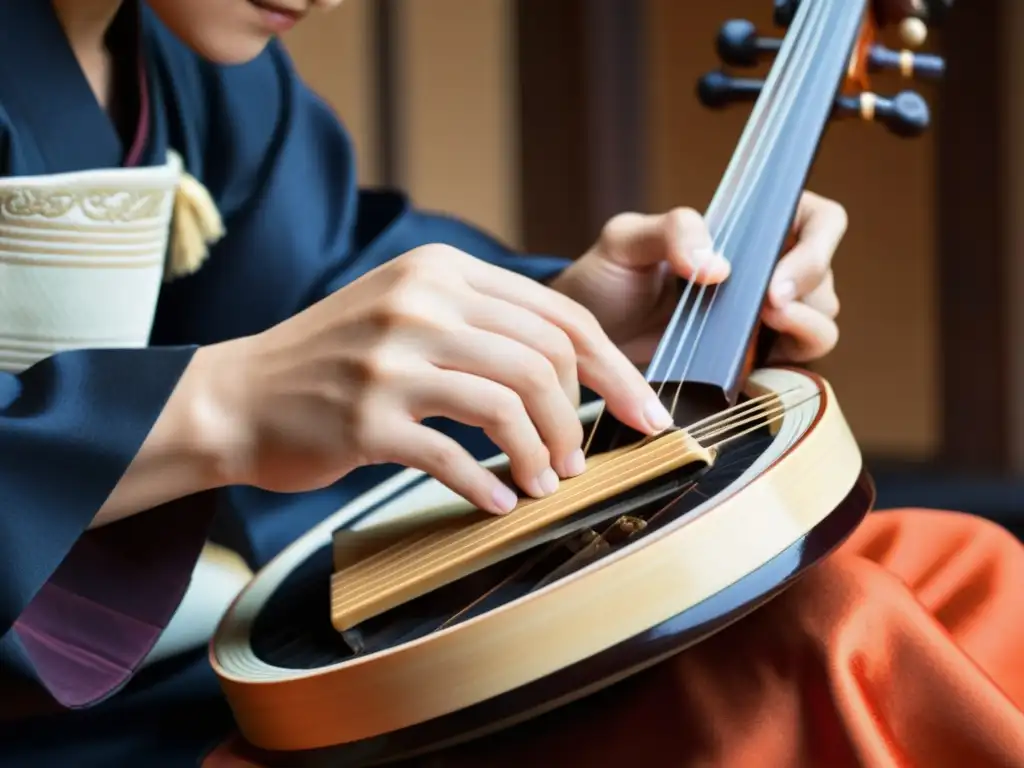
435 258
839 214
617 226
406 305
413 262
497 404
422 257
585 323
593 341
817 268
509 423
811 267
829 340
433 264
687 218
506 409
560 350
538 376
445 460
444 457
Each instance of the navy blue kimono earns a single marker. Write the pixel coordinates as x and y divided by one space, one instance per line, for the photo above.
282 173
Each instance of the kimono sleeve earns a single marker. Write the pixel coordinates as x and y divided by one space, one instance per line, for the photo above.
79 610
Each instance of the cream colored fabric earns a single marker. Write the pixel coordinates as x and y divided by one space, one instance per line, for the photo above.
82 259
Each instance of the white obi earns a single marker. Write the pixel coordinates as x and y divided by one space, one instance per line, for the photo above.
82 259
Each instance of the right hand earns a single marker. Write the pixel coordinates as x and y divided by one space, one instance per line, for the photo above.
434 332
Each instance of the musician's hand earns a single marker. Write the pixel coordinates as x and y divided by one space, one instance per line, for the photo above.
348 382
627 278
802 302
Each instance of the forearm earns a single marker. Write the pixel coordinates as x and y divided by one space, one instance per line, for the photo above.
184 452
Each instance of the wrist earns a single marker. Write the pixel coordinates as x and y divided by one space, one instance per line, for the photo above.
216 422
191 448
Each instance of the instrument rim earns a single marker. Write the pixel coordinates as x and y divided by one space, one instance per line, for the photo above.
825 403
236 682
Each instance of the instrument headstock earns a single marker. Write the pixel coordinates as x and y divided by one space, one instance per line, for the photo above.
740 46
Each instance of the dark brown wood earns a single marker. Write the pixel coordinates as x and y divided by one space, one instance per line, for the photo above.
383 20
971 243
581 97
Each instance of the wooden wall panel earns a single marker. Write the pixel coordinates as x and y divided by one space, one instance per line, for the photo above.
456 109
452 96
335 53
581 71
1013 87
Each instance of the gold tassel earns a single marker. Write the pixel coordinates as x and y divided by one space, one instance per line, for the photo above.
196 226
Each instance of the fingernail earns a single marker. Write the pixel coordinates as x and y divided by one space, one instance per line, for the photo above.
576 464
784 293
657 415
709 263
548 481
504 498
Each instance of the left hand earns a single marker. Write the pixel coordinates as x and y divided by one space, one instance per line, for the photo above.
633 265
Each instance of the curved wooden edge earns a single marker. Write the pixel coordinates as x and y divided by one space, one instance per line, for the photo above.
498 651
543 697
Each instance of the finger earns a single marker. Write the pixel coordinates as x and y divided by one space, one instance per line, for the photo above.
820 225
502 415
531 389
529 328
414 445
824 298
602 366
807 334
679 237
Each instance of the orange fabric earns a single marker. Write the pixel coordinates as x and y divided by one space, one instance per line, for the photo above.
905 648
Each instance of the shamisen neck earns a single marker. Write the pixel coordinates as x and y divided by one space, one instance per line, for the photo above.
707 347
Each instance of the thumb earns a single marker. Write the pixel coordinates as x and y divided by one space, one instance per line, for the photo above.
679 237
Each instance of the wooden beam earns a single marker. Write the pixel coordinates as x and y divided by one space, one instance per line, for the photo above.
581 104
385 13
1013 294
972 168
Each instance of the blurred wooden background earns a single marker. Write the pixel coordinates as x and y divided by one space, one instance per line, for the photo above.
536 119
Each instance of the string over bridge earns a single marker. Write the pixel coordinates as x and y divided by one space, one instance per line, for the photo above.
380 568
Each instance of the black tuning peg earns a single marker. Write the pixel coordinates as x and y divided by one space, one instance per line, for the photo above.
739 45
784 12
906 114
907 63
717 89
